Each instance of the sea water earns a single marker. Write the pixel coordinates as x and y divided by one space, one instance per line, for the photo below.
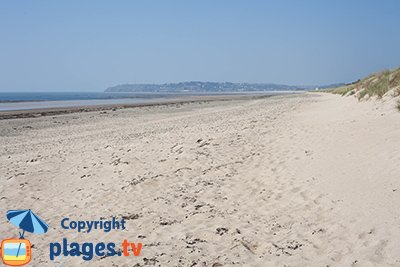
37 100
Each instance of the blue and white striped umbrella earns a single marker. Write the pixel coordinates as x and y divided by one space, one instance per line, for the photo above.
27 221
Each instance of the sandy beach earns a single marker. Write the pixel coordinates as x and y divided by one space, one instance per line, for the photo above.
294 180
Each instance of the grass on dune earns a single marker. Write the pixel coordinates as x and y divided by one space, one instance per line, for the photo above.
377 85
374 85
343 90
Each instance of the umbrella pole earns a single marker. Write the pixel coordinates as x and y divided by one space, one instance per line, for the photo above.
19 247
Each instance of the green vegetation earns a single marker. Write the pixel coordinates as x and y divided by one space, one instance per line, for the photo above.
342 90
374 85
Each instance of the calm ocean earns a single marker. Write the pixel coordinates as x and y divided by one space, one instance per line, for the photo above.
63 96
34 100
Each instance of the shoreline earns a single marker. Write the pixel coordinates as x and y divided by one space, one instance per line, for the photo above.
125 95
40 112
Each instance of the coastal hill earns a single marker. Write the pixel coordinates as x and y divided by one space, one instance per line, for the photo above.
196 86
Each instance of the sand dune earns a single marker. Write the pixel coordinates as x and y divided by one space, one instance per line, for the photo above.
299 180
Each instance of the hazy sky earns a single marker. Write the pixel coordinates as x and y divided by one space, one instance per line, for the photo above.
90 45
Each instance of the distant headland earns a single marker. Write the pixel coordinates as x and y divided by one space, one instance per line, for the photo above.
197 86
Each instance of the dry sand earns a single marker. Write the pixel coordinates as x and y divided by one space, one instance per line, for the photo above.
300 180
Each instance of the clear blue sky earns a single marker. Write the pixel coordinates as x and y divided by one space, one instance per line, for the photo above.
90 45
